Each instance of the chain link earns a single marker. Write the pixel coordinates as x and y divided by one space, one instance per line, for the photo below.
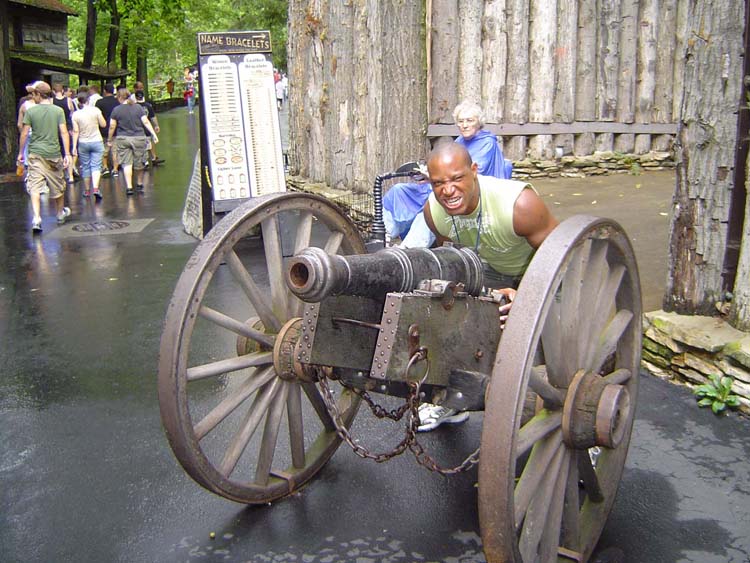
410 442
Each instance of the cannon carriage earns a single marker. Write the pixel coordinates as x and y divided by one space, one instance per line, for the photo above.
271 343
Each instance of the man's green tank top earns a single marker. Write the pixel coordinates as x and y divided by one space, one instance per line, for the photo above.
499 245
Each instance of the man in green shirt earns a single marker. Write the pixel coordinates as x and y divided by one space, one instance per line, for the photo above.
46 167
504 221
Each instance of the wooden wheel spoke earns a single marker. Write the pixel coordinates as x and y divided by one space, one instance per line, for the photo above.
229 323
253 293
334 242
570 304
619 376
536 516
228 405
588 475
280 294
271 436
552 346
551 540
605 306
296 428
249 425
543 423
313 395
611 338
595 277
571 532
229 365
535 468
542 387
304 231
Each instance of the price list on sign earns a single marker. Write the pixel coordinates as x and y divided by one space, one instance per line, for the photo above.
241 148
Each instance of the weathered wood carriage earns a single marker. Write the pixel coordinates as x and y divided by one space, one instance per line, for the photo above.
558 386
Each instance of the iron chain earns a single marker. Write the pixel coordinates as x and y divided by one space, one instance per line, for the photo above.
411 405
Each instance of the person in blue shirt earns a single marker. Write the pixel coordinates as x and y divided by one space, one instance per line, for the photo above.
403 203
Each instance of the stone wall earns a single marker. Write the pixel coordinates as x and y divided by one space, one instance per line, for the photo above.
593 165
687 349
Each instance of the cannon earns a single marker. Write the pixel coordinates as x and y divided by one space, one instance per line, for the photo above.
272 342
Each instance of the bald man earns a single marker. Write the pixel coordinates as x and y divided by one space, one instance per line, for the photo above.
504 221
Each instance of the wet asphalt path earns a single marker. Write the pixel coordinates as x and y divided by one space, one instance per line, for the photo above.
86 473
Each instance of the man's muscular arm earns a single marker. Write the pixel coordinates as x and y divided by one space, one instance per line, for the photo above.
531 218
440 239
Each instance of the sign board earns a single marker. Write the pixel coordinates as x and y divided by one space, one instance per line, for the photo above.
241 140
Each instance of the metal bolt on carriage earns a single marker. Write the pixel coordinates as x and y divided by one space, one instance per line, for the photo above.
282 323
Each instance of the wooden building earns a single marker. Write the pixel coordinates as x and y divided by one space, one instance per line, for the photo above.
39 46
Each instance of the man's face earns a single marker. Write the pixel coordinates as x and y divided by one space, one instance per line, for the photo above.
468 125
454 183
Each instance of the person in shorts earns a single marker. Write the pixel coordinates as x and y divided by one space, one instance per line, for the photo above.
45 164
127 122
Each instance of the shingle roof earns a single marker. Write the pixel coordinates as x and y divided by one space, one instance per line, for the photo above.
51 5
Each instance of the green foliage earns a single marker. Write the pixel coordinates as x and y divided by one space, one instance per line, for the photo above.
167 30
717 394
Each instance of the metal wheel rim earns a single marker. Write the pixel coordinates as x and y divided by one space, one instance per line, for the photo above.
176 339
504 539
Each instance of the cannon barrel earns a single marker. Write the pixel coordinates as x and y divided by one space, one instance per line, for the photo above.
312 275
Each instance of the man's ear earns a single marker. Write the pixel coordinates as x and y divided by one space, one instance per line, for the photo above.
474 167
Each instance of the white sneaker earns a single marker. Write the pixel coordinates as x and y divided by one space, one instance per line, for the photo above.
36 225
431 416
63 215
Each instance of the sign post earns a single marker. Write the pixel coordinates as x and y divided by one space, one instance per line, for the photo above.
241 155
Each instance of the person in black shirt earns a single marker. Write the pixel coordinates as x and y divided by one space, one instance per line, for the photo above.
140 97
63 102
106 104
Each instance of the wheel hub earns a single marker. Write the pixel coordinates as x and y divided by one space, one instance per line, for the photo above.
595 412
284 360
247 345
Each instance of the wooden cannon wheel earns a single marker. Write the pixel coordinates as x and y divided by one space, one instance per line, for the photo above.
222 376
574 339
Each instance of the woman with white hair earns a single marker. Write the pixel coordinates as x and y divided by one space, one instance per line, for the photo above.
481 144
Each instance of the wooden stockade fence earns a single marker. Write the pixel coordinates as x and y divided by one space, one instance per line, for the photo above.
373 82
561 73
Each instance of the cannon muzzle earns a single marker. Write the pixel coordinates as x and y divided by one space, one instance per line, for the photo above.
312 275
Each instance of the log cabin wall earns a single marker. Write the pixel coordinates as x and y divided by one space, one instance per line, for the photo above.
372 82
598 72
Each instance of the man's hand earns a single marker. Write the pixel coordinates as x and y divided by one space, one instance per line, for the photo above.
506 295
66 161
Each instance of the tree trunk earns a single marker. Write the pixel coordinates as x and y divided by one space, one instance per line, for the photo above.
739 315
470 53
141 67
114 34
625 142
124 54
517 86
443 69
586 72
543 36
494 60
608 46
706 152
663 92
565 85
88 50
349 115
8 131
648 17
